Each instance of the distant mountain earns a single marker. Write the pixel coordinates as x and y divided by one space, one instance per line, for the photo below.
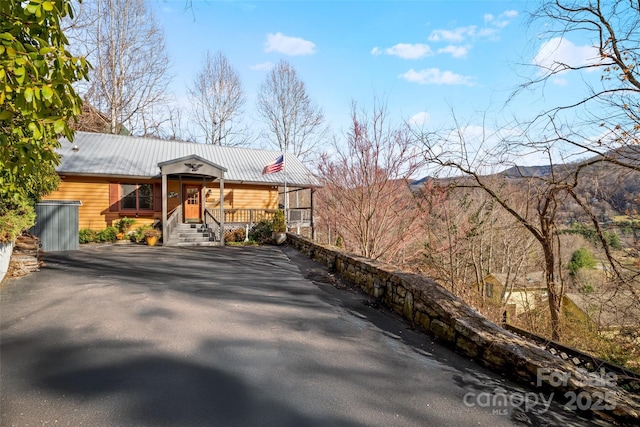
418 182
614 189
526 171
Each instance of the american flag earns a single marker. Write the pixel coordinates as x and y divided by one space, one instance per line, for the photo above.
274 167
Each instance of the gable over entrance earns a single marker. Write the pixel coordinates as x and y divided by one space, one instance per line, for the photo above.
190 166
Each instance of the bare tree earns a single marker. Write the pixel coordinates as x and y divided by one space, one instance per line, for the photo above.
467 237
175 129
295 122
606 115
218 100
543 194
130 72
367 186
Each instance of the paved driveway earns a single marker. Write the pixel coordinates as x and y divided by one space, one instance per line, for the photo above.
153 336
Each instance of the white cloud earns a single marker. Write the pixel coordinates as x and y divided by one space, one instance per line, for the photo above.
262 66
558 53
405 50
486 33
560 81
437 77
504 18
419 119
456 35
293 46
455 51
460 34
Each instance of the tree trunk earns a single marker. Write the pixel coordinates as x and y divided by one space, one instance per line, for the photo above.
554 298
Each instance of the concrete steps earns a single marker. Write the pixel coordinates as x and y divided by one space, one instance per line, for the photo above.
192 235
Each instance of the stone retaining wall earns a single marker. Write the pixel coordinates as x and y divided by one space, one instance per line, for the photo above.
429 306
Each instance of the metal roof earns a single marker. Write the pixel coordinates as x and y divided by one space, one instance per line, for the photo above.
130 156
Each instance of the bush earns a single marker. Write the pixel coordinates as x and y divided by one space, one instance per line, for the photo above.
138 236
235 235
581 258
15 217
87 235
613 240
109 234
279 224
124 225
152 232
261 232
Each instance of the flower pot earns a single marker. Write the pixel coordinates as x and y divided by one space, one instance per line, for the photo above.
278 237
151 240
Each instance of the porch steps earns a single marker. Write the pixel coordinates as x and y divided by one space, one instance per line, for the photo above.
192 235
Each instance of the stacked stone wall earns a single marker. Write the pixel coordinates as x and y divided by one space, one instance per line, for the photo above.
429 306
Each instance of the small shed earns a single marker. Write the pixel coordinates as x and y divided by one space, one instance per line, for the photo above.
57 225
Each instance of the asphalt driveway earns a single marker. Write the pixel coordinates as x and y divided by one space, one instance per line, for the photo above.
237 336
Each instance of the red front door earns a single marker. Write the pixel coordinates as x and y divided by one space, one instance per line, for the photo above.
192 207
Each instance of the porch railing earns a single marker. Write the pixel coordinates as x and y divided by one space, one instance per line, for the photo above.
242 216
233 218
175 218
299 217
211 222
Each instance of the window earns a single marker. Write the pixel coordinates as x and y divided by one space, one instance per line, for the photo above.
136 196
489 290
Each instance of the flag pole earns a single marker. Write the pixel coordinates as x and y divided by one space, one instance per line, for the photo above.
286 208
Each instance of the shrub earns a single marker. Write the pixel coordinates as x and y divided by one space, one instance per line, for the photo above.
279 224
109 234
613 240
15 217
152 232
125 224
581 258
138 235
235 235
261 232
86 235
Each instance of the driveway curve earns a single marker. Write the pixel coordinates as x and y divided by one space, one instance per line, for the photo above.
128 335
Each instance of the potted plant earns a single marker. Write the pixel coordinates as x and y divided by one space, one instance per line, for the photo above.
151 236
123 226
279 234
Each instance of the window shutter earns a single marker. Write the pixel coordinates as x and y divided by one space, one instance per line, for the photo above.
157 197
114 197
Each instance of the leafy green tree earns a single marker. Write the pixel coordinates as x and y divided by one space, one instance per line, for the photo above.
581 258
36 96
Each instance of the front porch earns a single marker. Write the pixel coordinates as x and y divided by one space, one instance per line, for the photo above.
209 231
200 209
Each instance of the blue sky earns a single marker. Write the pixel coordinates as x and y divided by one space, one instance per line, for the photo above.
423 57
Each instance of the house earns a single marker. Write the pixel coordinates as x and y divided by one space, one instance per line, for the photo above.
518 294
212 188
608 310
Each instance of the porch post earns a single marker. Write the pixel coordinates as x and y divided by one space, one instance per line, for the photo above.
222 210
181 204
203 199
165 237
313 226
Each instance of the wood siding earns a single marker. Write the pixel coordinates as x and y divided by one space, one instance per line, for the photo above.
94 212
239 196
